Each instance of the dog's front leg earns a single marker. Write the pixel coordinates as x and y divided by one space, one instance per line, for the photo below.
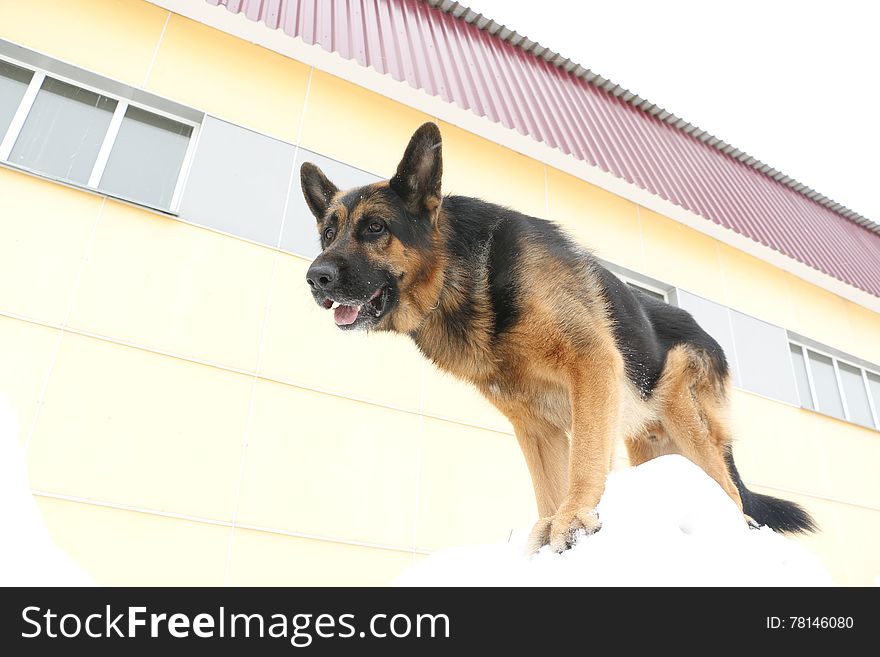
595 409
546 450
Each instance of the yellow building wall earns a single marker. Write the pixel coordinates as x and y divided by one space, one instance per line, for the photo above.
191 416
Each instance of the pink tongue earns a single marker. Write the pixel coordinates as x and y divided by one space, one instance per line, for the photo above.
345 315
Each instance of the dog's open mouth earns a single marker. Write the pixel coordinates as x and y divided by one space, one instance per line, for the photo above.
346 315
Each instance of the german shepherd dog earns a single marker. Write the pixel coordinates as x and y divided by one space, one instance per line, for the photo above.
573 357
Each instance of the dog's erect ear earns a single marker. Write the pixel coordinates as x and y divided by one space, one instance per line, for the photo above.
317 189
417 180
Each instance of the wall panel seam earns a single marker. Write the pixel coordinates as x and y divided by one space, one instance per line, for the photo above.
156 51
62 329
825 498
245 443
223 523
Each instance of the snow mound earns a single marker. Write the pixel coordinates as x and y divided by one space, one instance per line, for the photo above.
28 556
664 523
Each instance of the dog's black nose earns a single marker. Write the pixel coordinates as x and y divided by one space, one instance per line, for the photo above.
322 275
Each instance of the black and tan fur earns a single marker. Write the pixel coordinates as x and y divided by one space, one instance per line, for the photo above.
572 356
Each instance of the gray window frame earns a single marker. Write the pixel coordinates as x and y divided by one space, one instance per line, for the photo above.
644 287
635 279
875 412
7 140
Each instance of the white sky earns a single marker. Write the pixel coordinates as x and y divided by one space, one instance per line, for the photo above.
794 84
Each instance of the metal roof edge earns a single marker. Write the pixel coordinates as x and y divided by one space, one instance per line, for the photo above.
484 23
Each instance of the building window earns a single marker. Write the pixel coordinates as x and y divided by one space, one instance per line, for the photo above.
801 376
69 132
14 82
856 394
63 131
825 384
836 387
147 156
657 294
638 281
874 398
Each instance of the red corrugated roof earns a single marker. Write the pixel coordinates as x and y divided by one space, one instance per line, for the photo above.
456 60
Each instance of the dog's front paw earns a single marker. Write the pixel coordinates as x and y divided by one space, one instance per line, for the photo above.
561 530
539 536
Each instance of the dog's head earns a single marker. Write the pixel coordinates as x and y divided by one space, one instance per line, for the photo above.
376 264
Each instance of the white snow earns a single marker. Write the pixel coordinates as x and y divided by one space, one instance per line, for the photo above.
664 523
28 556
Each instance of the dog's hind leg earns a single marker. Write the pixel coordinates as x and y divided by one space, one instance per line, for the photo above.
648 444
691 399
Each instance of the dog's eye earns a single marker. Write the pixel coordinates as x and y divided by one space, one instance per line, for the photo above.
376 227
329 234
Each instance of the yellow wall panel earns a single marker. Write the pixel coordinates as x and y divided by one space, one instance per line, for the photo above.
230 78
774 445
45 230
851 454
126 548
820 315
847 539
131 427
116 38
357 126
681 256
303 345
829 544
26 352
265 559
798 449
859 532
474 166
161 283
755 287
605 223
326 466
474 486
448 397
864 325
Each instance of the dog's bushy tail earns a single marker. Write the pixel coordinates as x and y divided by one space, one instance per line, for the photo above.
779 515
